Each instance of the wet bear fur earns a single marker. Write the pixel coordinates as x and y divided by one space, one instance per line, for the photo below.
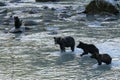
88 48
63 42
17 22
103 58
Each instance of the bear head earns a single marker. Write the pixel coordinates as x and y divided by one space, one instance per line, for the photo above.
80 45
57 40
16 18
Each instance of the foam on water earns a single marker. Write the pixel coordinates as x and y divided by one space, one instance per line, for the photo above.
35 36
111 47
28 0
94 24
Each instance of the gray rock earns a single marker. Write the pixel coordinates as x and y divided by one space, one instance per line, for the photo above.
30 23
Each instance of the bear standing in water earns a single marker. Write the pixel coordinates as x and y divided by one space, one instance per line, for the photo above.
88 48
17 26
17 22
65 42
103 58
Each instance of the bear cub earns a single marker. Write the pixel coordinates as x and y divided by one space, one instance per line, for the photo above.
103 58
67 41
88 48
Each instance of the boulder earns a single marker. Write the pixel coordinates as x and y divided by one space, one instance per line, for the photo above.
98 6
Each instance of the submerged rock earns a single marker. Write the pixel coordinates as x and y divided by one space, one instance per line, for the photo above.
30 23
3 11
98 6
12 1
53 32
2 4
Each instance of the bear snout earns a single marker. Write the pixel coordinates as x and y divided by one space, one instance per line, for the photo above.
77 46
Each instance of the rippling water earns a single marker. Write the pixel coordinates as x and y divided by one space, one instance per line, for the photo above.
33 55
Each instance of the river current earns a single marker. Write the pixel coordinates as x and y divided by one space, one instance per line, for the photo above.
32 55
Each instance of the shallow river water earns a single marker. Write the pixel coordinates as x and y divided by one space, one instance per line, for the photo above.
33 55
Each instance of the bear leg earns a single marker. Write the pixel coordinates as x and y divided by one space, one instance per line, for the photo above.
72 48
99 62
62 48
108 63
84 53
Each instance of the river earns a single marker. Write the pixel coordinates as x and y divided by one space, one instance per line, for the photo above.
32 55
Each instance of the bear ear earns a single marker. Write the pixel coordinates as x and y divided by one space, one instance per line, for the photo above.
54 37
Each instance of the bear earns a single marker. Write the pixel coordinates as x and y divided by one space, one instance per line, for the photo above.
67 41
17 26
88 48
103 58
17 22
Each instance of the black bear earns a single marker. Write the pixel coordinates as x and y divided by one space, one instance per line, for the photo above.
67 41
17 22
88 48
17 26
103 58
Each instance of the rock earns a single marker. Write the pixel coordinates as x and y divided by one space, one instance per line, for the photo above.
30 23
53 32
19 30
98 6
13 30
2 4
3 11
34 10
45 0
64 15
